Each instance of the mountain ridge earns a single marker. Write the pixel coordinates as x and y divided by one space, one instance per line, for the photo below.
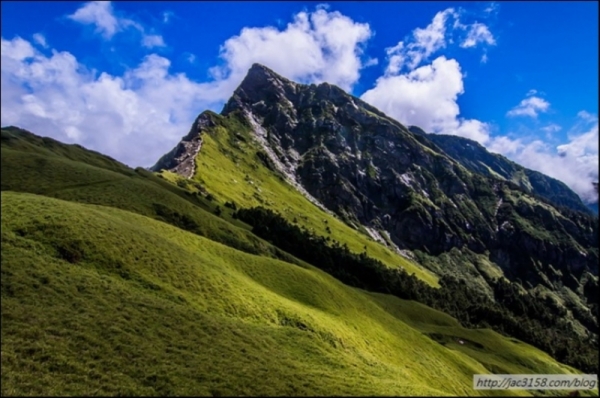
402 189
488 163
265 78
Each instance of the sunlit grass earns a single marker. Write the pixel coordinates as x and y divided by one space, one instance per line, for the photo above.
97 300
230 168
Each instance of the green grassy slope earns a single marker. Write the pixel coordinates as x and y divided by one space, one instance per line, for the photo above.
499 355
47 167
21 140
71 173
229 167
97 300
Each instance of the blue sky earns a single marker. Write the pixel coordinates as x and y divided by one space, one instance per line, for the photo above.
128 78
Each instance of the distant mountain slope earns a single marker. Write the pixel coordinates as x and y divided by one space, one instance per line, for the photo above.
476 158
24 141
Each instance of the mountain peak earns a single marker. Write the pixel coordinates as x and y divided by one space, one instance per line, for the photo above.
259 75
257 68
260 83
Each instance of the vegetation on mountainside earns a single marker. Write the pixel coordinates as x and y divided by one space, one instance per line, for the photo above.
72 173
101 301
230 168
229 151
476 158
368 169
523 316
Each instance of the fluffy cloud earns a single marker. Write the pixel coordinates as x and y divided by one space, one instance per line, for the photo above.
40 40
101 15
426 96
150 41
316 47
478 33
551 128
531 106
574 163
421 45
587 117
140 115
133 118
426 41
505 146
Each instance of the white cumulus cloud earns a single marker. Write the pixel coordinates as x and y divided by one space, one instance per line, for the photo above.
426 96
316 47
423 43
531 106
575 163
138 116
101 15
133 118
585 116
40 39
478 33
151 41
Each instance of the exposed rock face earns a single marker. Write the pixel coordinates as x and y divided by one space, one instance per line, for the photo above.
371 169
425 194
181 159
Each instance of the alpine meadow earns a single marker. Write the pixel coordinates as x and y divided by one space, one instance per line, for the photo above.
302 241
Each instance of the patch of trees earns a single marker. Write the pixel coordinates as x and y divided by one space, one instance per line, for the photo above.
526 317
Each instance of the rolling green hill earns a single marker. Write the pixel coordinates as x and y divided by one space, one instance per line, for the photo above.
97 300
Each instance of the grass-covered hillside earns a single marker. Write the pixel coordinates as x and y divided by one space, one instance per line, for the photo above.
233 168
97 300
46 167
116 282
